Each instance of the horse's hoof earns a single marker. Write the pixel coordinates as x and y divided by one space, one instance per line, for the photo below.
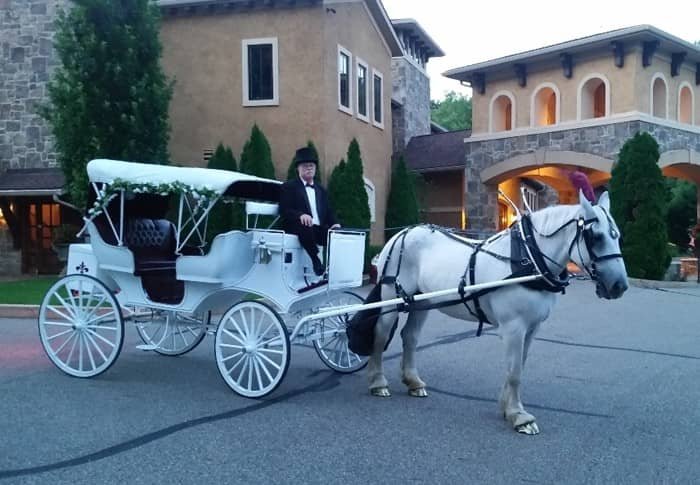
528 428
380 392
420 392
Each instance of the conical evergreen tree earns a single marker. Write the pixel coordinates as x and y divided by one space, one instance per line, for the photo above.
292 170
402 206
224 216
639 204
109 96
256 158
354 211
335 187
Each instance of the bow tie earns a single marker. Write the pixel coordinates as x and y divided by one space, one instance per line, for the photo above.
309 185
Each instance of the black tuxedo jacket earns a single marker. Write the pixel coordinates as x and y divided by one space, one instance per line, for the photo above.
294 203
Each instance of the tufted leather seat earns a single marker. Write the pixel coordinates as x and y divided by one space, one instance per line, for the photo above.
153 243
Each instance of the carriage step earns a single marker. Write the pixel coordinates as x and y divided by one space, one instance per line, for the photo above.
146 347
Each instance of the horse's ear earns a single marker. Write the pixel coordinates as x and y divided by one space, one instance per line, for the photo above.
604 201
588 211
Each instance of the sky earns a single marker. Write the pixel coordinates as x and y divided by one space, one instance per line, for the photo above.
475 31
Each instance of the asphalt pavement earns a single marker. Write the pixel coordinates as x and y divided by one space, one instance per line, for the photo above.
614 386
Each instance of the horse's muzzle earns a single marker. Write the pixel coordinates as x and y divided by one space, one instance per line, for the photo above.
613 292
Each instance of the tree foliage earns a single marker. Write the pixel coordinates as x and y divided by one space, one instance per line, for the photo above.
256 158
639 206
402 207
292 170
681 211
224 217
351 203
454 112
109 97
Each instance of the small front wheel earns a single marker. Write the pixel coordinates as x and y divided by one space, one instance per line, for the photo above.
81 326
252 349
332 348
172 333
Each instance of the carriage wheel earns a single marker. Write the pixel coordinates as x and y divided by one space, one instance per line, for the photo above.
172 333
81 326
252 349
333 350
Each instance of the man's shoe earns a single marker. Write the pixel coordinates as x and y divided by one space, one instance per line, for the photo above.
319 268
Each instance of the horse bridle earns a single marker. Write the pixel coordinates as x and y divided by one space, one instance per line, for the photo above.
584 227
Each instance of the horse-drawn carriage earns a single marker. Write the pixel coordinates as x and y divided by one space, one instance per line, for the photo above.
162 276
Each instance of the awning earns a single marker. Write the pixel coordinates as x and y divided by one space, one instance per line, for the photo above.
31 182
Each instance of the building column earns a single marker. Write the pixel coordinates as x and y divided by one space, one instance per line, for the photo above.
697 204
480 203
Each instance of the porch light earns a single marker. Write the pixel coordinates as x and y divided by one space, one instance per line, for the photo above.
3 223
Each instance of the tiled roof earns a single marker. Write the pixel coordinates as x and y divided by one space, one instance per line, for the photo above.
27 181
438 151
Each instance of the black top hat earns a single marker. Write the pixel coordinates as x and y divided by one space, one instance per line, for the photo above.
304 155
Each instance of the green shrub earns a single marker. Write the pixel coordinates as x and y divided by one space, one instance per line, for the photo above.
639 205
256 158
227 216
402 207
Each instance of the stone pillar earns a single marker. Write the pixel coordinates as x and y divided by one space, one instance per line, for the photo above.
481 203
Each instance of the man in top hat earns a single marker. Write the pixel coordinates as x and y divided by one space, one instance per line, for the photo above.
305 209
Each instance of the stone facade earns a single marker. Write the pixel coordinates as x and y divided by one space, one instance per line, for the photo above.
603 141
27 29
411 88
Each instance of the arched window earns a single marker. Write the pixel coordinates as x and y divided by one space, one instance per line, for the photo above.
659 103
545 106
502 112
686 104
594 97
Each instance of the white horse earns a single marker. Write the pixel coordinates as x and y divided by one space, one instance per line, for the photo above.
432 260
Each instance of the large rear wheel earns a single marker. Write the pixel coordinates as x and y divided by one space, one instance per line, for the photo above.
81 326
252 349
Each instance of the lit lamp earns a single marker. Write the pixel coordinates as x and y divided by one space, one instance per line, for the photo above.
2 219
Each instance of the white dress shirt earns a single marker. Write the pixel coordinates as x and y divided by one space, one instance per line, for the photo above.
311 195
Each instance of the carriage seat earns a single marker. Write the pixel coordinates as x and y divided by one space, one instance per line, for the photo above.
152 241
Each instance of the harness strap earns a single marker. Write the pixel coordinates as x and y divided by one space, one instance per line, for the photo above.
478 313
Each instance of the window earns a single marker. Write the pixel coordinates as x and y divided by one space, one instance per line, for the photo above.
344 79
502 112
362 90
594 98
659 103
260 72
378 99
545 105
686 104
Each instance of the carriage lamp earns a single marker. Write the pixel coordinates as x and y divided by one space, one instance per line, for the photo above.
264 255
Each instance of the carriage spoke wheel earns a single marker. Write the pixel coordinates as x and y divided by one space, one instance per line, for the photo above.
172 333
252 349
333 349
81 326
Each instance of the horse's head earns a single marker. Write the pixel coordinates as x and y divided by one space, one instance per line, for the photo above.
600 254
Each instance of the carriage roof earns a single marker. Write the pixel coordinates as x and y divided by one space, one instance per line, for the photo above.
223 182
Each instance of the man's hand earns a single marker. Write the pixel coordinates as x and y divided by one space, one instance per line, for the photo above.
306 220
335 226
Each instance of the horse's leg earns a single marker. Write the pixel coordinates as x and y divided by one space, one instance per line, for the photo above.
378 385
409 373
529 337
514 338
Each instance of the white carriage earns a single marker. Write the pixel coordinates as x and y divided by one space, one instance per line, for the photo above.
251 288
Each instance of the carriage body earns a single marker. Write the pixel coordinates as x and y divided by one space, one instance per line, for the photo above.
163 276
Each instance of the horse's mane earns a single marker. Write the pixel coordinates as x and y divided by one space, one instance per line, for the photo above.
551 218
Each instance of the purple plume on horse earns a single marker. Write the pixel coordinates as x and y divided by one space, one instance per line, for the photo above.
580 182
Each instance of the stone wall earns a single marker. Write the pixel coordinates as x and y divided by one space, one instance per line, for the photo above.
10 258
27 29
604 141
411 88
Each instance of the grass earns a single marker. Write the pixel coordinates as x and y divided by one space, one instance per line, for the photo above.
25 292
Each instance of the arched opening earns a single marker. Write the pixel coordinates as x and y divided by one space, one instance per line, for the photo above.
545 107
659 103
685 105
502 113
594 99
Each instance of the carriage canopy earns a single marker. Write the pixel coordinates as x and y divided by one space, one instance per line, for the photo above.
223 182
